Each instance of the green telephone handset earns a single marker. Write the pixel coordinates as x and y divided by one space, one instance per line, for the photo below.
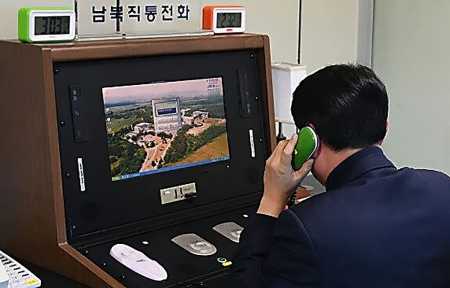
307 144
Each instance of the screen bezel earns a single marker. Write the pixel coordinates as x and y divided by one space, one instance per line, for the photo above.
51 37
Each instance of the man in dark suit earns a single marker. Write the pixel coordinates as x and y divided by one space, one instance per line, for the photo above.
376 226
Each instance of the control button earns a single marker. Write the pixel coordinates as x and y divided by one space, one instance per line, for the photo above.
227 264
201 246
237 233
221 260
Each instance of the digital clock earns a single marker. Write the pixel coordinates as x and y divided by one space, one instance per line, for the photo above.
44 24
224 19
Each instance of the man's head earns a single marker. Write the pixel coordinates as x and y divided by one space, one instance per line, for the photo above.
347 105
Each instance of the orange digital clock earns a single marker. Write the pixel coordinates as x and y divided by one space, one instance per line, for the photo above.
224 18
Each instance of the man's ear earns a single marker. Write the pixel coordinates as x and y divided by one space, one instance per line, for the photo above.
318 150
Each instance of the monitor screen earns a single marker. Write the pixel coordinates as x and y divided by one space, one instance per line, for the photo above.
164 126
52 25
225 20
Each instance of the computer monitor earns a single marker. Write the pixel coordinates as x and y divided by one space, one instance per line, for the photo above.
158 127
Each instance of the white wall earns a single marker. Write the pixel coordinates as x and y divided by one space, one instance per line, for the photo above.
365 32
412 55
268 17
329 32
278 20
8 14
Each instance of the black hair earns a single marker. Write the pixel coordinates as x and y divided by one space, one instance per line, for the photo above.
347 104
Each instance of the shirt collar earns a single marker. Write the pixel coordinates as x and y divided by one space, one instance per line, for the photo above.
355 166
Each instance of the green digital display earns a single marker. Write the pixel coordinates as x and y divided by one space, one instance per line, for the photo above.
52 25
229 20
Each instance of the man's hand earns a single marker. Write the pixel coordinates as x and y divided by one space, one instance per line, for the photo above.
280 180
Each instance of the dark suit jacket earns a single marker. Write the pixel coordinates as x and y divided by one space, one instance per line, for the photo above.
376 226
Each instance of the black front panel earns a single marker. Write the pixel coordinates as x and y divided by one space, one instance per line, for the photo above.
94 202
183 268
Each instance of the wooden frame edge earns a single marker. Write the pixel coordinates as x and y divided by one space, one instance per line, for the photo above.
269 91
158 46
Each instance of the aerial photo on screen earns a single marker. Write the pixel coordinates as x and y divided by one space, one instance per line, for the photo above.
164 126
